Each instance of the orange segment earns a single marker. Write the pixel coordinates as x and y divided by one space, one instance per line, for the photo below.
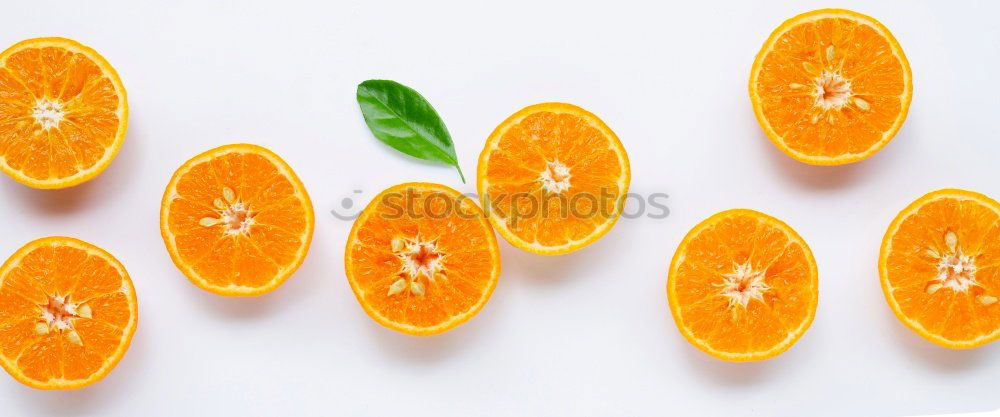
422 259
742 286
236 220
940 268
831 87
553 178
63 115
67 313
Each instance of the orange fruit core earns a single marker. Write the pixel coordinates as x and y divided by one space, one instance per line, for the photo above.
553 178
236 220
63 115
422 259
940 268
831 87
67 313
742 286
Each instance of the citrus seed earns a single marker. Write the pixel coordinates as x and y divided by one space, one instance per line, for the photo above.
417 288
861 103
85 311
74 337
933 288
397 286
951 239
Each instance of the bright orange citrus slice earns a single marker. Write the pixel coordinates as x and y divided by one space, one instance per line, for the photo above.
67 313
553 178
742 286
831 87
63 116
940 268
422 259
236 220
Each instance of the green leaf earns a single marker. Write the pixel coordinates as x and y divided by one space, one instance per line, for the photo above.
402 118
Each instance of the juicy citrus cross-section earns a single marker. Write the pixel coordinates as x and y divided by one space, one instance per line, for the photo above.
63 115
742 286
553 178
236 220
831 87
422 259
67 313
940 268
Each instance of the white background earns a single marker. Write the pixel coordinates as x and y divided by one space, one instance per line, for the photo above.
583 334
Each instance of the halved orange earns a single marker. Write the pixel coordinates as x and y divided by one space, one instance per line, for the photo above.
422 259
63 113
236 220
742 286
940 268
831 87
553 178
67 313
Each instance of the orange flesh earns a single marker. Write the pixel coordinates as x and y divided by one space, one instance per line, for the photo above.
952 306
779 289
61 114
522 168
68 280
454 251
258 238
831 88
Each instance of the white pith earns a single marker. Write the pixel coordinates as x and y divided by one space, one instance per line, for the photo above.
238 218
742 285
832 91
418 258
58 314
956 271
555 178
234 216
48 113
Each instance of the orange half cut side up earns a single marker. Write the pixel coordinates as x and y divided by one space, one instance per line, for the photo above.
236 220
422 259
831 87
742 286
67 313
63 114
553 178
940 268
